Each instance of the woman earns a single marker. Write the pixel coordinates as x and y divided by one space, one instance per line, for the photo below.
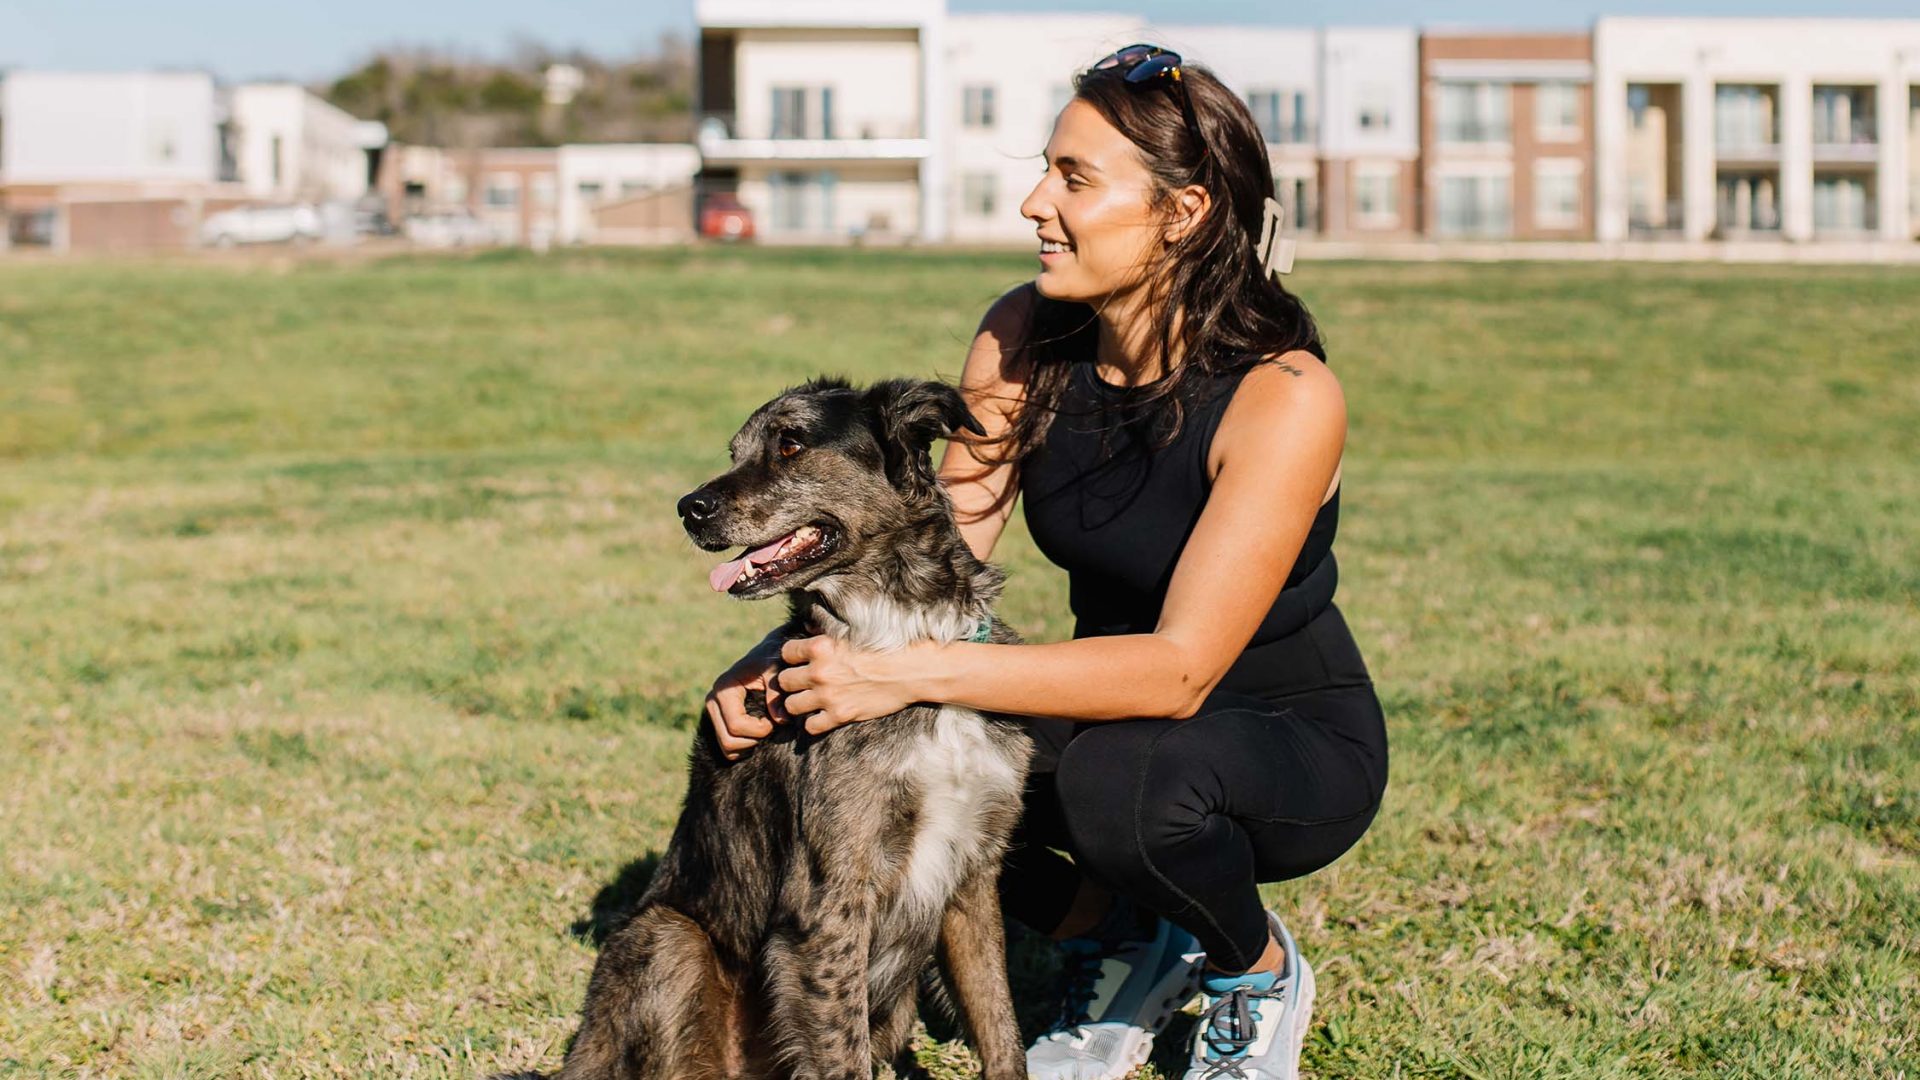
1166 411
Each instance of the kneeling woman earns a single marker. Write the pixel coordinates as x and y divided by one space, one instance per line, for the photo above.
1166 410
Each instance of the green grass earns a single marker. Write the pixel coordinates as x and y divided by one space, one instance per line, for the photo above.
348 644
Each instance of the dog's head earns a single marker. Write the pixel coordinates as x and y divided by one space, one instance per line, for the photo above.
818 474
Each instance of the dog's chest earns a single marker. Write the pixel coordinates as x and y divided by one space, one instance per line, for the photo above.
959 773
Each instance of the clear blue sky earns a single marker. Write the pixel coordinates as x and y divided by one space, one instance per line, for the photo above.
315 39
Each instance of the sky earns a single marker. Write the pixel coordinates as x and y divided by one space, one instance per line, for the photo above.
316 41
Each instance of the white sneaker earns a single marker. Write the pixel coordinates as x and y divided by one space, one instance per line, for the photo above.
1115 1003
1254 1024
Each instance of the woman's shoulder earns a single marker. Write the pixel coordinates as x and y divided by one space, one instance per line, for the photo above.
1287 388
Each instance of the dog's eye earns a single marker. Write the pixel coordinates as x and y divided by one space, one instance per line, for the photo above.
790 446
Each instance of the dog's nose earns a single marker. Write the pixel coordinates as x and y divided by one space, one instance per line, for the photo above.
699 506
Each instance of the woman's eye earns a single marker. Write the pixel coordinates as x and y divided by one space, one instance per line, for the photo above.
789 446
1074 182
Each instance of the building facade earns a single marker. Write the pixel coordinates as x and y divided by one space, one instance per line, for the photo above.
291 146
822 116
1369 132
1757 129
1506 149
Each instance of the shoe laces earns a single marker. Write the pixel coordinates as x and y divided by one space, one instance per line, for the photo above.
1228 1027
1079 973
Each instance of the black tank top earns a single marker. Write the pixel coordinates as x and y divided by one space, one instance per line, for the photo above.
1116 517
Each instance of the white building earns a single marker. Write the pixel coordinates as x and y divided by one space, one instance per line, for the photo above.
109 128
1799 129
1276 70
820 115
598 182
1008 77
291 146
1369 130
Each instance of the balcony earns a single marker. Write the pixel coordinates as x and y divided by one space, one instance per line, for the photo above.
1844 126
1746 124
722 142
1475 131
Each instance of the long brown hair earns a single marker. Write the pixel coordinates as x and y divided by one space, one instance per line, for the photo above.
1234 312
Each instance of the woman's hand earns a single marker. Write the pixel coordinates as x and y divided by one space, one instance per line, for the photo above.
737 730
839 685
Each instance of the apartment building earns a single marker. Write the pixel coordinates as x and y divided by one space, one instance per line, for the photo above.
1369 132
1757 129
135 160
290 146
1277 71
824 117
625 193
1505 143
1008 77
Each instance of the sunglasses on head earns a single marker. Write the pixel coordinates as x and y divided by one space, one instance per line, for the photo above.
1151 65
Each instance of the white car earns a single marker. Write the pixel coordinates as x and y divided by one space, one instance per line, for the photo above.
260 225
451 228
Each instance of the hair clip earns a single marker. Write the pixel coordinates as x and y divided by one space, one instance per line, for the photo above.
1274 249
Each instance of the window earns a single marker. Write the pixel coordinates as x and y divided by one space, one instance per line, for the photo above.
1376 197
1556 193
802 112
275 168
503 191
801 202
1281 115
1841 204
1744 116
977 191
590 190
1843 115
632 188
1376 106
1473 112
976 106
1475 206
1556 111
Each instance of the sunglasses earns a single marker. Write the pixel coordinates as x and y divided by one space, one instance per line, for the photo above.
1151 65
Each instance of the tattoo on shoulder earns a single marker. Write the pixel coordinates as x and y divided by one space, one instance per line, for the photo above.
1289 368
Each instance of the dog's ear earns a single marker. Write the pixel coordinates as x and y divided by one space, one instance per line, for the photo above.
908 415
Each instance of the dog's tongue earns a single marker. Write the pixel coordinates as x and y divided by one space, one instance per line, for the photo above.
723 576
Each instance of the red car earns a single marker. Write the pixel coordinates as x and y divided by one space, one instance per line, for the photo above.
723 218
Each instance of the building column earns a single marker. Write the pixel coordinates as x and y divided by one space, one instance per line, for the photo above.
1890 178
1796 158
1610 123
1698 155
935 103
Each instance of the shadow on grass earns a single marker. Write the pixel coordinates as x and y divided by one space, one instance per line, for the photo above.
613 905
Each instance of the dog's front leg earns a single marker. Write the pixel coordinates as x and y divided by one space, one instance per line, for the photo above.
817 975
973 956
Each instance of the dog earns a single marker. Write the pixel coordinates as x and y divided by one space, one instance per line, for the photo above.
809 885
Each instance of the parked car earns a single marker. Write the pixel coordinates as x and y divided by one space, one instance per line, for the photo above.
261 225
449 228
723 218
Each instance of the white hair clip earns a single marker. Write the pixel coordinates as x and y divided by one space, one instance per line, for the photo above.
1274 249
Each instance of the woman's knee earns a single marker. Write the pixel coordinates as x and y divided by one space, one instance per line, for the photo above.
1124 805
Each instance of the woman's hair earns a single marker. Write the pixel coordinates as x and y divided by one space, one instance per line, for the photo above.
1234 311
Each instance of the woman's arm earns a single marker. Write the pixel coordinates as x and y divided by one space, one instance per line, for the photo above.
994 385
1278 447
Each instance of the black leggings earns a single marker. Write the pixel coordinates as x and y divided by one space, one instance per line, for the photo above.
1187 817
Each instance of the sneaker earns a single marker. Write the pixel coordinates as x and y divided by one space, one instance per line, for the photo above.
1254 1023
1117 999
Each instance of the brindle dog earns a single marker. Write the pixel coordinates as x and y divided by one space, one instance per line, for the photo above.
808 884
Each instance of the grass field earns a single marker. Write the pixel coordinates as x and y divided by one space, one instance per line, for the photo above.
348 643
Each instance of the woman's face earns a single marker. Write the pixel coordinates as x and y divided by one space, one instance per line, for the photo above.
1095 198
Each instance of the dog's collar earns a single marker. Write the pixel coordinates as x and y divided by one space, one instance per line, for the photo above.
982 631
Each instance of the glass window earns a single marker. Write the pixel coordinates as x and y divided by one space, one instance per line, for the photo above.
1556 194
1474 112
1475 206
590 190
976 105
1556 110
503 191
1375 106
1376 196
977 191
